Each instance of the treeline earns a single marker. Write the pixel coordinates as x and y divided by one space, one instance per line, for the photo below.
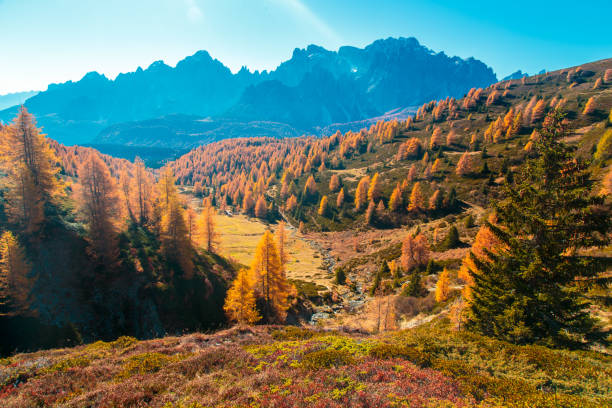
99 245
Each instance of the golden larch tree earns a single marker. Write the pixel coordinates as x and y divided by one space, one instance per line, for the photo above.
361 194
32 168
310 188
374 190
417 198
395 201
240 302
207 228
100 206
415 252
323 206
589 107
443 286
334 183
271 284
463 165
174 231
143 194
281 240
261 207
340 199
15 282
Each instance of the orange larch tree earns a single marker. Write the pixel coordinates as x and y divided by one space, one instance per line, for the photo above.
99 203
240 303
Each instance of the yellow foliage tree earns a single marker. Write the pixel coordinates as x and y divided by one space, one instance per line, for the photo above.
361 194
323 206
261 208
589 107
395 201
32 169
415 252
15 284
281 239
417 199
443 286
334 183
340 198
100 205
174 231
240 300
271 284
207 228
374 190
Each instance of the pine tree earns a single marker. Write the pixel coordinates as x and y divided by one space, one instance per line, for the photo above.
415 287
451 240
443 286
15 282
240 301
271 284
100 205
32 170
529 291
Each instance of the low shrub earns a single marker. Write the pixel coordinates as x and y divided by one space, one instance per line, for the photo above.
327 358
145 363
390 351
292 333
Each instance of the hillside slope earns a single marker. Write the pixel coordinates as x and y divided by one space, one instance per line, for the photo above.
291 367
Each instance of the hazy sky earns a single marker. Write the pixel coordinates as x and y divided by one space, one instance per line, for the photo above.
46 41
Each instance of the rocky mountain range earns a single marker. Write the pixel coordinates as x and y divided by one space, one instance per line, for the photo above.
201 100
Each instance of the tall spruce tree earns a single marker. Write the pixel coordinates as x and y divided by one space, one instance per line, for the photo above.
531 290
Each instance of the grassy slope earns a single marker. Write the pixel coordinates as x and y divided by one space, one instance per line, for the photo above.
290 367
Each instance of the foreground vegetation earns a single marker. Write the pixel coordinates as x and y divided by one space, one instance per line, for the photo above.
272 366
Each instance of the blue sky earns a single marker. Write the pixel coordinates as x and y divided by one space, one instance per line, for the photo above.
46 41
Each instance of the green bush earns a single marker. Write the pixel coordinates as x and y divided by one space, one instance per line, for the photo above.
327 358
340 276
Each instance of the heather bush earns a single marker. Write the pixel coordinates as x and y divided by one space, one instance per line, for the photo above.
145 363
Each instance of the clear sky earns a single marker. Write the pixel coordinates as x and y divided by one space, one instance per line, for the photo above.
46 41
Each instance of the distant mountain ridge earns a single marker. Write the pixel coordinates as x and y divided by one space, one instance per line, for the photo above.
305 94
16 98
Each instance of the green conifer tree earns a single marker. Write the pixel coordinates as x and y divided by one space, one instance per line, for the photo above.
531 291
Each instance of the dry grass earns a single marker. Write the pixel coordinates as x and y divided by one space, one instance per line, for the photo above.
240 234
